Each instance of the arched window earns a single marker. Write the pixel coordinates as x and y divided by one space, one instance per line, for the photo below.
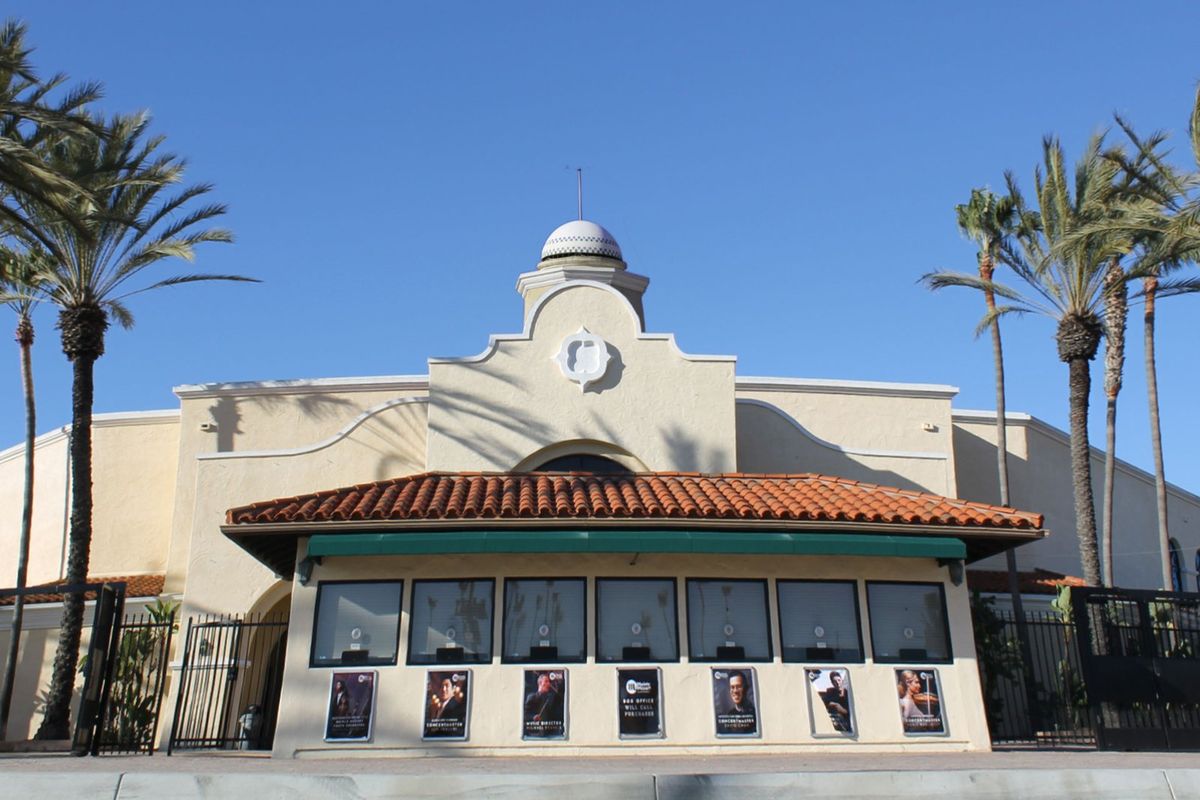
1176 567
584 462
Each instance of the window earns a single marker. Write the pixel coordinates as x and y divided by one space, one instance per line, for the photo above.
1198 570
584 462
357 623
1176 558
818 621
545 620
451 622
908 622
636 620
728 620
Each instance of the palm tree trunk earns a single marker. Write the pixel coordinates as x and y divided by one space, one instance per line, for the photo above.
986 271
80 331
1116 312
1150 286
1077 342
1110 474
25 340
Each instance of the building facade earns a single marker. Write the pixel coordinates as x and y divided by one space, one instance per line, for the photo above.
584 524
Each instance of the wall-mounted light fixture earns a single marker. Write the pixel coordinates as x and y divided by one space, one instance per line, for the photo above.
955 567
304 569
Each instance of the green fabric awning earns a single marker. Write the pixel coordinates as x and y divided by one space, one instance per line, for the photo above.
634 541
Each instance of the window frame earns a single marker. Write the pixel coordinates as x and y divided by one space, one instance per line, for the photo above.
491 654
596 633
766 609
858 627
370 662
941 587
507 659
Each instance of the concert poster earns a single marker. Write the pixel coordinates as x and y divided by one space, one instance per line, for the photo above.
447 704
544 704
921 710
735 702
639 703
830 702
351 706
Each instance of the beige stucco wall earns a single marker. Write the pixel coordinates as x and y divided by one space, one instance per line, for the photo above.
1040 480
266 424
133 469
670 411
893 436
495 723
220 577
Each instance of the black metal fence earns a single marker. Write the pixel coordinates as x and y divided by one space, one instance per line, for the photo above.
1141 657
230 679
1109 668
1041 702
137 676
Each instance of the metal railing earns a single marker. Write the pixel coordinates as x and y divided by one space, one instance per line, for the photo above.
1043 703
229 683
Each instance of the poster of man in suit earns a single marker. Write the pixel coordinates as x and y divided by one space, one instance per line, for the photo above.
544 708
447 704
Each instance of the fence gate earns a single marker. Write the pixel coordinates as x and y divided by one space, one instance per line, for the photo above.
1140 652
229 683
134 681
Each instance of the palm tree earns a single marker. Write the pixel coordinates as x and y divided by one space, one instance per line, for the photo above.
28 120
1116 312
1162 212
19 283
990 221
131 223
1066 285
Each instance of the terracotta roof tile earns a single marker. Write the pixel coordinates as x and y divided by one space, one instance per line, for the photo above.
1040 581
661 495
135 586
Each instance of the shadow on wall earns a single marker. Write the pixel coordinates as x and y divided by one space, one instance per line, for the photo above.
975 470
227 416
767 442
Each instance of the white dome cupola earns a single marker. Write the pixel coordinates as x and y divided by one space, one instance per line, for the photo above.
582 250
580 237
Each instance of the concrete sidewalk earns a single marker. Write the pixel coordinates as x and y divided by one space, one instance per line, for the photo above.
1021 775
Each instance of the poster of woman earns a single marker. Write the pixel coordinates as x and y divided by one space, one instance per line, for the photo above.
920 701
543 711
830 704
447 704
351 706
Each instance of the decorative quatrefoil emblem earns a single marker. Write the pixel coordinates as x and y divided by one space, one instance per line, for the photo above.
583 358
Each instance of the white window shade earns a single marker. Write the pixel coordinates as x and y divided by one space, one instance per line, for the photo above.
728 620
908 622
818 621
544 620
357 623
451 622
636 620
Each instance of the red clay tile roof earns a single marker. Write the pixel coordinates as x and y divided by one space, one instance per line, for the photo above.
135 586
735 497
1040 581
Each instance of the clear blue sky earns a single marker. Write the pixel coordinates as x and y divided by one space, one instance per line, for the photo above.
784 173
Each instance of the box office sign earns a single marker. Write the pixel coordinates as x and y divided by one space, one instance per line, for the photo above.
447 704
351 706
735 702
921 711
544 712
830 702
639 703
